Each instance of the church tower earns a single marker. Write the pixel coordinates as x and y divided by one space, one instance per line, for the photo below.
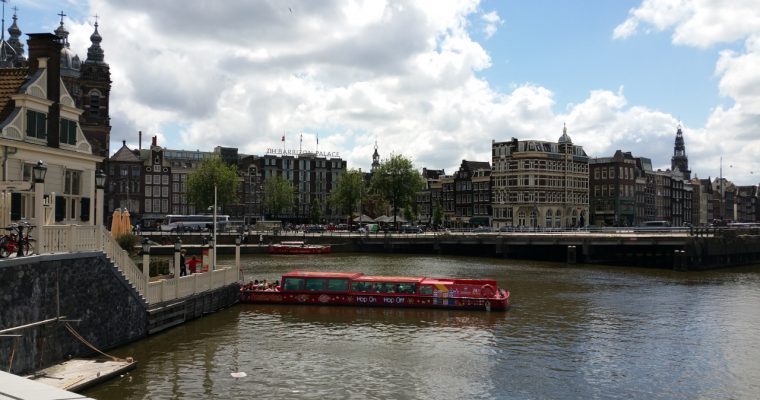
375 159
95 87
679 160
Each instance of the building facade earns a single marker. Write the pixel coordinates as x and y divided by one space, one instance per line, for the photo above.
539 184
613 189
39 120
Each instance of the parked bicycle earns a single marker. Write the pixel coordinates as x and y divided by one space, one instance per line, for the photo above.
17 238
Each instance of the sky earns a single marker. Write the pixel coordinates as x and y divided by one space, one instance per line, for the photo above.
435 81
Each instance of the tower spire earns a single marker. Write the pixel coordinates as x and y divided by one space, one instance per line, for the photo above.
680 160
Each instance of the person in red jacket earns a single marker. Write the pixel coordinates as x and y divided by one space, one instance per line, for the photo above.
193 264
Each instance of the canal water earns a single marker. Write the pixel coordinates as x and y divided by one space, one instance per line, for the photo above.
573 332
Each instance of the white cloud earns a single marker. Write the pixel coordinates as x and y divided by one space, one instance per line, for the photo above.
731 131
699 23
402 73
492 22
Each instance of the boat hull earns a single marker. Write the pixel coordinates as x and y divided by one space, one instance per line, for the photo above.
498 303
311 249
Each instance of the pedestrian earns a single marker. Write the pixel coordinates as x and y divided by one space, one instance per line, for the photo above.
182 267
261 240
193 264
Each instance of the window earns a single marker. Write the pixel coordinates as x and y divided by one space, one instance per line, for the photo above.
291 284
94 103
36 124
315 284
337 285
72 182
69 132
426 290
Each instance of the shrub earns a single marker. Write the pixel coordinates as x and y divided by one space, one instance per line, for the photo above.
129 242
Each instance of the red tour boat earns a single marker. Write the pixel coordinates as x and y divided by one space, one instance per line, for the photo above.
298 248
357 289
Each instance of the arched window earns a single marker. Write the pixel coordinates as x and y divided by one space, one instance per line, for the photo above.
94 102
558 219
548 223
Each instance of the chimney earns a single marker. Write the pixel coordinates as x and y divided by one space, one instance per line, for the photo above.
154 142
139 140
45 53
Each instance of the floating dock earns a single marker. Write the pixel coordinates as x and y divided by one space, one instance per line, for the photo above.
79 374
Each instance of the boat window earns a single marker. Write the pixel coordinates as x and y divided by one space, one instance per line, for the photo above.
315 284
360 286
291 284
426 290
406 288
337 285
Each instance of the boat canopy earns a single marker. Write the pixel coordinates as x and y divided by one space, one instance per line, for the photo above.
313 274
394 279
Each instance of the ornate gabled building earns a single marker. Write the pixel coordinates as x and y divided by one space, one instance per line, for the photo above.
39 120
539 184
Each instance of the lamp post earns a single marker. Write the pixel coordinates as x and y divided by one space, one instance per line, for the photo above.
146 262
38 175
100 183
238 240
177 266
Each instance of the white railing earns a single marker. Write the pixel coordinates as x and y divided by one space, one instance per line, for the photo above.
74 238
171 289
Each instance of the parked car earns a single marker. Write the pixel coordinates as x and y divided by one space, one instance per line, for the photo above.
411 229
314 229
482 229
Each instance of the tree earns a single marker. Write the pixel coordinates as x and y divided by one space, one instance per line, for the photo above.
212 172
348 193
398 182
437 213
316 211
278 195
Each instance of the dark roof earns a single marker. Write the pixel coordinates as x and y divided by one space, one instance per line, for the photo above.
124 154
475 165
11 80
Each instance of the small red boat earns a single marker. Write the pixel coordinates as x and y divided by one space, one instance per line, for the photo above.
357 289
298 248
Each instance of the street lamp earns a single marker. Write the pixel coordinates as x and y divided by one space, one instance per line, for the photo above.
38 172
100 179
100 183
146 261
38 176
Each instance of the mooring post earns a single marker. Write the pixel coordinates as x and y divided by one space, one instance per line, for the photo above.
572 255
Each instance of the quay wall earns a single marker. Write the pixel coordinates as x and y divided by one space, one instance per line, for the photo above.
82 287
96 301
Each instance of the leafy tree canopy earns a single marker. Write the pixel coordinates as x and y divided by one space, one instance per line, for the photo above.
212 172
278 195
349 192
398 182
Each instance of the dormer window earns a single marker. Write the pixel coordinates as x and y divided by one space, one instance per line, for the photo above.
68 132
36 124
